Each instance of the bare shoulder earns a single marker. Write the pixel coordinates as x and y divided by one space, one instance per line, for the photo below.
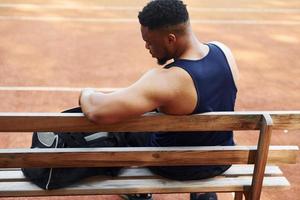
172 77
165 84
231 60
174 73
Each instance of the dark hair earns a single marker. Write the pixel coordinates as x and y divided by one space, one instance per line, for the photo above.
163 13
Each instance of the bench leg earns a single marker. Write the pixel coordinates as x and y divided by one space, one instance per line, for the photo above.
238 196
261 157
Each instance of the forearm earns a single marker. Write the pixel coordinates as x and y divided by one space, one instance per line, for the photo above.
99 107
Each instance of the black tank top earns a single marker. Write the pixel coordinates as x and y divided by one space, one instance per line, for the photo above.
216 91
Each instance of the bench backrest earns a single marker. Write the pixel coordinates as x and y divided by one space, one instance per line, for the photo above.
148 156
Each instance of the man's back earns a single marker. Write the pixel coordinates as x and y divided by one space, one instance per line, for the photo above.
206 83
213 82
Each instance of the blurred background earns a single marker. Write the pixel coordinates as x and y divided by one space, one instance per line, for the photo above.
51 49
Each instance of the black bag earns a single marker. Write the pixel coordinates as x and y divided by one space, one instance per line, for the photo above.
53 178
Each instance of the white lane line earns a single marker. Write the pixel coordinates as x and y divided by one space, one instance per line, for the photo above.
51 89
248 22
69 19
247 10
133 20
68 7
122 8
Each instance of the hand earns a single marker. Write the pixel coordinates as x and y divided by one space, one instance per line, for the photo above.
84 93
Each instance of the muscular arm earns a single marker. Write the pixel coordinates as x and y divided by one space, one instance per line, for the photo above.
151 91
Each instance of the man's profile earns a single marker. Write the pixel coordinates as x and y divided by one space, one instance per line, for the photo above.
201 77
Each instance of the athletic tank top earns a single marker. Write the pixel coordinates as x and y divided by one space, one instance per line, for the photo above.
216 91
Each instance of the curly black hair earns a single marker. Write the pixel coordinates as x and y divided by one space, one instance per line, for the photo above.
163 13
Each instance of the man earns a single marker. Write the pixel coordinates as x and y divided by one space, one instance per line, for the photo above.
201 78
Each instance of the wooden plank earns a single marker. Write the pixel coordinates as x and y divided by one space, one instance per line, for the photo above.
246 170
235 170
132 186
68 122
261 157
141 156
285 121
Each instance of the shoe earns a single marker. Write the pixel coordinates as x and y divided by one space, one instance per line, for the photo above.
137 196
203 196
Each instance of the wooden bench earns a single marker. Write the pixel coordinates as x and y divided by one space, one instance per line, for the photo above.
254 167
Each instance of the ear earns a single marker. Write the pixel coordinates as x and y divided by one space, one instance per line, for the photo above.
171 38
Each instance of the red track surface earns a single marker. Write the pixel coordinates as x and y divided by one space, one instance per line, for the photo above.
70 53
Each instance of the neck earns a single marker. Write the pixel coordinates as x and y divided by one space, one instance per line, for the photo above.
191 48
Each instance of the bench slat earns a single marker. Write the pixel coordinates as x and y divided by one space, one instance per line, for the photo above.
141 186
7 175
143 156
67 122
233 171
286 120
